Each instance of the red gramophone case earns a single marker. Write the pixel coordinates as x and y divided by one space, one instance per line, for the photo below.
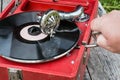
69 67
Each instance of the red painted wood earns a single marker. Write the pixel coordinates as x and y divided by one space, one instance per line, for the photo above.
3 73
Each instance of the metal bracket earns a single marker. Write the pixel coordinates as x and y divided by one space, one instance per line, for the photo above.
55 0
15 74
17 3
101 10
82 18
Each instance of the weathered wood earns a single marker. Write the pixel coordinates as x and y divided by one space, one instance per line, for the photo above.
87 75
104 65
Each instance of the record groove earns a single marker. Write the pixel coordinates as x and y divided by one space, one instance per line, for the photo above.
19 49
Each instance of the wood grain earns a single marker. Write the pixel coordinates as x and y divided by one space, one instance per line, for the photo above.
104 65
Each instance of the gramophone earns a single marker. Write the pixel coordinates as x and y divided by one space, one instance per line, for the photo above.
44 39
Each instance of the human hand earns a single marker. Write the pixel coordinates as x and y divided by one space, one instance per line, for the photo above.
109 26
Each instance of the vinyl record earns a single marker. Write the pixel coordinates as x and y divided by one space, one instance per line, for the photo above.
21 39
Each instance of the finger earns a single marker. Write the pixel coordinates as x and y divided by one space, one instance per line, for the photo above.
102 42
95 24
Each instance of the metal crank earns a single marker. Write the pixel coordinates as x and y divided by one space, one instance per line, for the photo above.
101 11
94 44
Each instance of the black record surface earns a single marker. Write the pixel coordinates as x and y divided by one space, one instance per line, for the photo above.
13 47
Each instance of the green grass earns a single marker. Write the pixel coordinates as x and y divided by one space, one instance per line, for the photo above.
110 5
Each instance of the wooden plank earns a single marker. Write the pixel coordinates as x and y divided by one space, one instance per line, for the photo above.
104 65
87 75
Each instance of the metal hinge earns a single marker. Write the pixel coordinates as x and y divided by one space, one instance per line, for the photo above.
15 74
17 2
55 0
85 57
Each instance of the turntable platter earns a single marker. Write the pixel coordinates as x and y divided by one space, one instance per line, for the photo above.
22 40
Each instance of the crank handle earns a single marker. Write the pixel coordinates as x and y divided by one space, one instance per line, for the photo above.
94 44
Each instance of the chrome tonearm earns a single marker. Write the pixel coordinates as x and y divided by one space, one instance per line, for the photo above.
77 15
51 19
